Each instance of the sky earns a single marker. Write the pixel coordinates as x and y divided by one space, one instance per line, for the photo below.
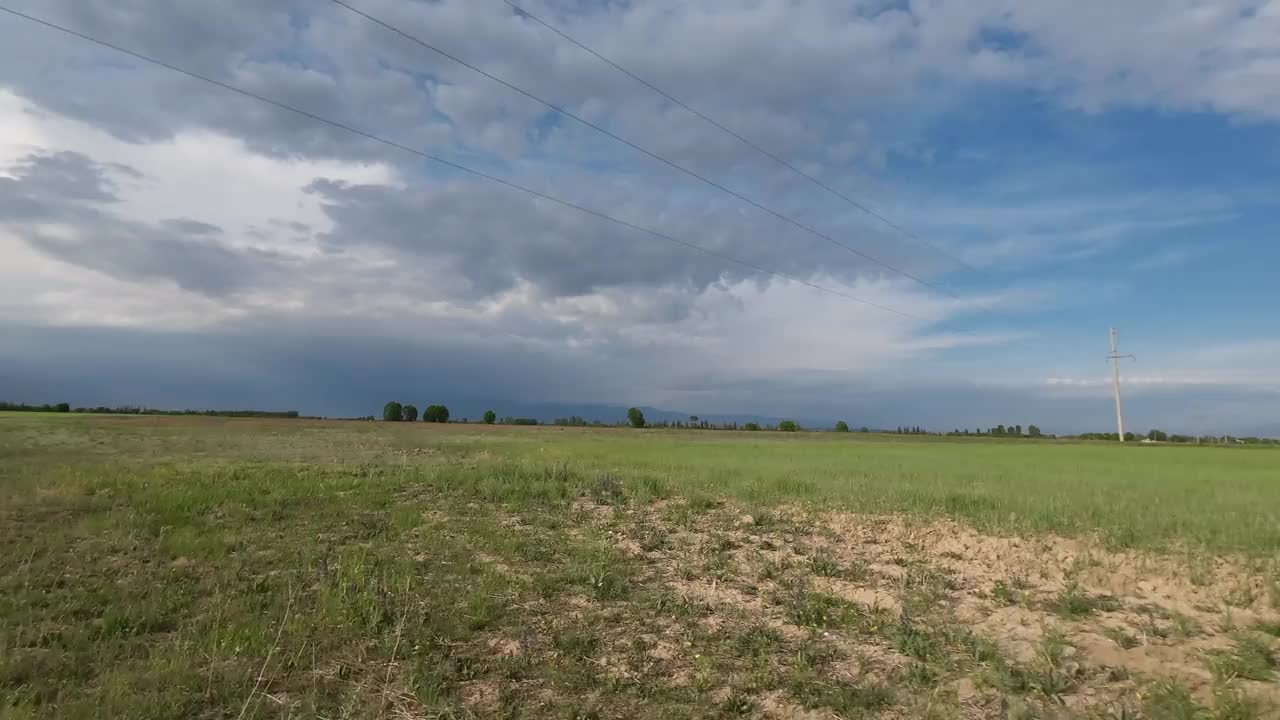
1048 170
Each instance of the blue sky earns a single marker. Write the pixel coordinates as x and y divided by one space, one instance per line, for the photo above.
1085 174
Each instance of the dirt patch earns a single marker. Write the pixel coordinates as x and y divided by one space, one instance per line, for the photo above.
1076 625
481 695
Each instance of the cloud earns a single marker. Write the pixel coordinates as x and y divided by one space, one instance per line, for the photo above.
139 206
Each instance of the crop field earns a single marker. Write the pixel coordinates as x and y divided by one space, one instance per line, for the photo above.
174 567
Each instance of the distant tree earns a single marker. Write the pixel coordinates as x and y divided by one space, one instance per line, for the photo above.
1158 436
436 414
391 411
1033 431
635 417
490 417
409 413
1128 437
842 426
999 430
751 426
693 420
788 426
62 407
1017 430
864 429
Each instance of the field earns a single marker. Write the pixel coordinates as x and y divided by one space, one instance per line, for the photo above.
216 568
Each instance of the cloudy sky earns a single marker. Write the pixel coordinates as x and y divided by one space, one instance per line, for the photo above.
1050 169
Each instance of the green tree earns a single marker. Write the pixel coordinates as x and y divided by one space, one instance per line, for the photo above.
1017 430
1033 431
1158 436
62 407
391 411
751 426
490 417
999 430
635 417
436 414
409 413
788 426
842 426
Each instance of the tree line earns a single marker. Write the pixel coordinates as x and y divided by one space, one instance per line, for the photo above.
1164 437
408 412
1014 431
398 412
138 410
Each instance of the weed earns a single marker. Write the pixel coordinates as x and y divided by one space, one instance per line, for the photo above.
1006 594
1184 626
1074 602
603 583
1241 596
1270 628
738 704
1121 638
1171 701
1250 657
607 489
757 641
812 655
774 569
815 609
911 641
577 644
824 564
846 699
921 674
1231 703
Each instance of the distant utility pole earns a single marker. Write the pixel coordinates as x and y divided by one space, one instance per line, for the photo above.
1115 358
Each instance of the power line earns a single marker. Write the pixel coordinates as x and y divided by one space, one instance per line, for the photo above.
569 114
749 143
451 164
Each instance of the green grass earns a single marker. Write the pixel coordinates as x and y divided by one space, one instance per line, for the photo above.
210 567
1150 497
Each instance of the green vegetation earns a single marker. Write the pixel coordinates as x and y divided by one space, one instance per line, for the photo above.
171 567
393 412
436 414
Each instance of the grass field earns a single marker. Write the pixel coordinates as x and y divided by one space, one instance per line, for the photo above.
203 567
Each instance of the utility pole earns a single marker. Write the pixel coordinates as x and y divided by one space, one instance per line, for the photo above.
1115 358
